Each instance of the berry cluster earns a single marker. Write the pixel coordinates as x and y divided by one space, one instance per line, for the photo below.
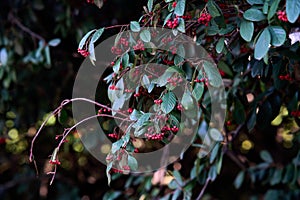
139 46
158 101
202 80
282 16
113 87
222 73
160 136
172 23
173 50
116 50
174 4
54 162
90 1
123 41
83 52
174 80
287 77
166 40
113 135
179 107
204 18
103 110
130 110
295 113
168 62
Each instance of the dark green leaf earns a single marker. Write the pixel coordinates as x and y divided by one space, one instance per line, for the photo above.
220 45
135 115
252 120
178 177
145 35
181 25
180 7
150 5
292 10
262 44
198 91
225 68
135 26
276 178
247 30
54 42
216 135
132 163
84 39
266 7
278 35
168 102
254 15
97 35
239 114
266 156
252 2
273 9
187 100
213 8
214 153
239 179
213 74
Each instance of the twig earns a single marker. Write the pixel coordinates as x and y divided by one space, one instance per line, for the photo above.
203 189
17 22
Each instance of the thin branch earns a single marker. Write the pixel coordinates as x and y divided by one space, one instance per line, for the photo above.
17 22
203 189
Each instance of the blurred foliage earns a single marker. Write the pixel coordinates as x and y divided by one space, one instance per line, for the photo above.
260 157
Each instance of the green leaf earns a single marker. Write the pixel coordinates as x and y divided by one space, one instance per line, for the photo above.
214 153
239 179
167 18
47 55
181 25
84 39
247 30
292 10
266 7
187 100
213 74
239 114
224 67
117 66
178 177
266 156
254 15
220 45
198 91
92 55
62 116
135 26
273 8
135 115
176 194
278 35
252 120
252 2
168 102
144 118
116 146
212 174
3 56
213 8
276 178
132 163
54 42
150 5
262 44
180 7
215 134
97 35
145 35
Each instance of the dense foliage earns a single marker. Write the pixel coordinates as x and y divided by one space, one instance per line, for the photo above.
255 45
